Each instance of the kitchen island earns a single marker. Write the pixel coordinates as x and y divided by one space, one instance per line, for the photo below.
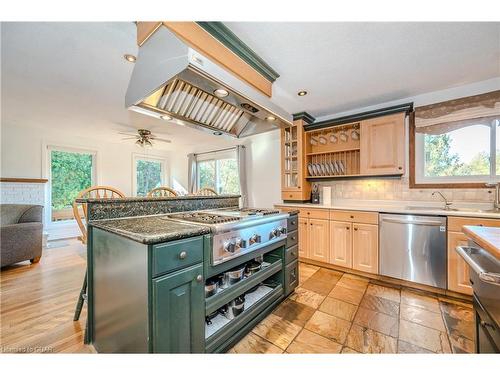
147 277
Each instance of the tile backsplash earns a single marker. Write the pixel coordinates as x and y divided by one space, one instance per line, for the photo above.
398 189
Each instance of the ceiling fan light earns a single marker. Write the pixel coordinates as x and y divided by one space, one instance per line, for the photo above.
166 117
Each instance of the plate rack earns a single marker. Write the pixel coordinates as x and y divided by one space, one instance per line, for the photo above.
333 152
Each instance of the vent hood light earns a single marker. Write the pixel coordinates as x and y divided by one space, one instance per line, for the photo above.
130 58
221 93
302 93
217 133
166 117
270 118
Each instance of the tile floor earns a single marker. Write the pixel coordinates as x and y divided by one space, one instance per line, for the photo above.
335 312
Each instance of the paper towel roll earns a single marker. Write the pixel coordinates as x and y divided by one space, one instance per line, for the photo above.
326 196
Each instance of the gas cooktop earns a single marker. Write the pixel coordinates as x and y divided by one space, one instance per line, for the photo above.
223 215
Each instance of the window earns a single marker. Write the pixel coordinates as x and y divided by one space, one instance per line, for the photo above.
71 171
219 171
456 143
149 173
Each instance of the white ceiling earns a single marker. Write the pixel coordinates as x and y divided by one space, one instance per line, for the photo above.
345 66
72 76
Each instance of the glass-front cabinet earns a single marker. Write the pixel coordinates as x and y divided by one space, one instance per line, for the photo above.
293 183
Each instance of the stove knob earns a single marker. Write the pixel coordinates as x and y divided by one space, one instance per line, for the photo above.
240 243
254 239
281 230
274 233
229 246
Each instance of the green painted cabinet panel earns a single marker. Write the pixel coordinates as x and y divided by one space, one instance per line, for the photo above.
171 256
179 312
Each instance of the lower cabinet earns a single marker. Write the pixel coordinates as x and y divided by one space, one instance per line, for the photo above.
341 244
303 238
365 247
314 239
458 270
319 240
179 312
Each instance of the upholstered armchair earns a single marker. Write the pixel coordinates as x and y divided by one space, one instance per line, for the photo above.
20 233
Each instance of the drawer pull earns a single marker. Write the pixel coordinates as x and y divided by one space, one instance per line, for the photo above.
355 228
199 278
294 222
352 217
347 228
294 238
182 255
293 254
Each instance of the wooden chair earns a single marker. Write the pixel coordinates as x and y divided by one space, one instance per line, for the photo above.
81 219
91 192
163 191
206 191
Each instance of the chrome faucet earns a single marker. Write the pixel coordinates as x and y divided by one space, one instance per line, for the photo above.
496 204
447 203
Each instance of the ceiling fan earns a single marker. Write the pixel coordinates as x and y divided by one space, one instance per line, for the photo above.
144 138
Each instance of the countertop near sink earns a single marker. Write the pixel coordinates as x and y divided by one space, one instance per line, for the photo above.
486 237
150 229
401 207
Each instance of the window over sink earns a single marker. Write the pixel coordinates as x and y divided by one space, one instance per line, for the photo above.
457 143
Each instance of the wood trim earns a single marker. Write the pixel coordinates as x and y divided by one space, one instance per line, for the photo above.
412 182
145 30
24 180
199 39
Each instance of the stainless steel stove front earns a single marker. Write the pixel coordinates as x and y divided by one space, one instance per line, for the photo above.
231 244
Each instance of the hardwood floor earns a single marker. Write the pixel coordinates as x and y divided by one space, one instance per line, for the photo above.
37 303
330 312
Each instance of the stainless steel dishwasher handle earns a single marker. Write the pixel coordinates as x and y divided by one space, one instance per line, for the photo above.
416 222
488 277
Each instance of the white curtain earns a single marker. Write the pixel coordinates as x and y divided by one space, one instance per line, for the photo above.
240 158
192 171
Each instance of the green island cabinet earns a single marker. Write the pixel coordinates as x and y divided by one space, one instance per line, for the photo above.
151 298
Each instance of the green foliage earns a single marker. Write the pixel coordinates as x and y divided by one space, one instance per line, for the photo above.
148 176
71 173
440 161
226 170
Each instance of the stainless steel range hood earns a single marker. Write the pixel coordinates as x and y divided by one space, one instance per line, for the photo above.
173 81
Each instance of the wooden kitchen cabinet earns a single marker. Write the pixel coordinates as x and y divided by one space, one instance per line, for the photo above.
365 247
294 186
319 240
458 270
341 244
303 238
382 148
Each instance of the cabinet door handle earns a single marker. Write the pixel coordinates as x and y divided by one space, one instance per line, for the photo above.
293 238
182 255
347 228
352 217
294 222
400 168
199 278
355 228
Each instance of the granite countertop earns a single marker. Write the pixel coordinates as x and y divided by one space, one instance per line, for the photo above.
150 229
152 199
486 237
401 207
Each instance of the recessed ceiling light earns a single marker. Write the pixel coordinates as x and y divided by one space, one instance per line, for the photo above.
221 93
217 133
302 93
166 117
270 118
130 58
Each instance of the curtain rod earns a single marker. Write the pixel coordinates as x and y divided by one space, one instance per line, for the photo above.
213 152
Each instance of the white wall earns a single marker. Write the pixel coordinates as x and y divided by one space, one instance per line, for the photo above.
23 155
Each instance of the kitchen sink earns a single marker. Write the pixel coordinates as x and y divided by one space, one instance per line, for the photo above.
427 208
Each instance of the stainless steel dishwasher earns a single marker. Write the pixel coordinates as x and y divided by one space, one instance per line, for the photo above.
413 248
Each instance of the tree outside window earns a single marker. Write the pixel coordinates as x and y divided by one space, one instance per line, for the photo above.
71 172
149 174
220 174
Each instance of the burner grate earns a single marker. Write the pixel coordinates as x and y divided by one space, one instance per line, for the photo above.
259 211
201 217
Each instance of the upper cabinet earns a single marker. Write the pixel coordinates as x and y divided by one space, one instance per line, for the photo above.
294 187
368 144
383 145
